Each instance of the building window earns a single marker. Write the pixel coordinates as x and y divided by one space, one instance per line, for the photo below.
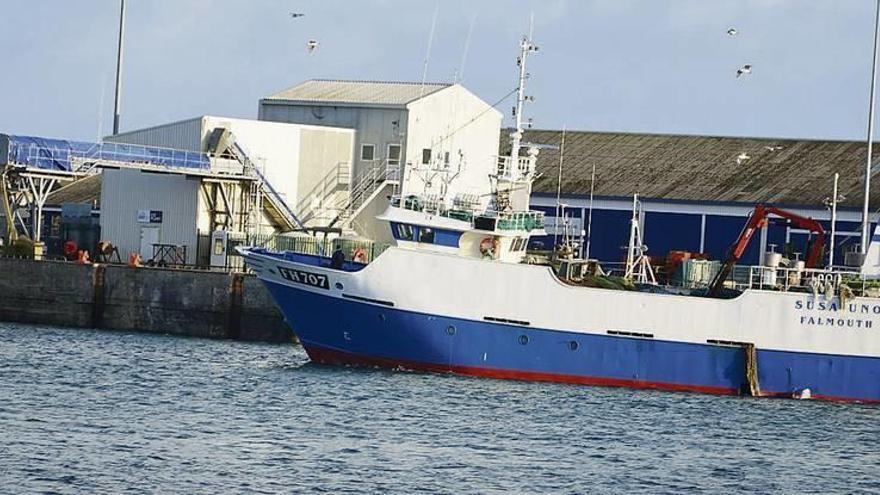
446 159
368 152
426 156
393 154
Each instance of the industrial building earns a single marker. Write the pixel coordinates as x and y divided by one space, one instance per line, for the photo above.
407 135
142 208
696 192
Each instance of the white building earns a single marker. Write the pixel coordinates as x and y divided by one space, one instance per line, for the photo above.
424 134
142 208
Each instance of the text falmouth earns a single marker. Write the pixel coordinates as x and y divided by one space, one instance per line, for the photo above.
836 321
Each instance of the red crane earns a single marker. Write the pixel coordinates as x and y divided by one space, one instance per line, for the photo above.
757 220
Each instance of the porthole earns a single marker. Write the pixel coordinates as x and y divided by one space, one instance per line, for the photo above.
450 330
339 285
573 345
523 339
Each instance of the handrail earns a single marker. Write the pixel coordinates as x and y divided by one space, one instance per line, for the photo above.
812 279
273 195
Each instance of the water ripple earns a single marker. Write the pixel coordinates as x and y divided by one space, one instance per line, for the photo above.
113 412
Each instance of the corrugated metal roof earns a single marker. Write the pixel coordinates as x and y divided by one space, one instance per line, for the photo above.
85 190
366 92
701 168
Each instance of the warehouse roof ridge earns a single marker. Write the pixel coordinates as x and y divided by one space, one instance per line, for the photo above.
702 168
359 91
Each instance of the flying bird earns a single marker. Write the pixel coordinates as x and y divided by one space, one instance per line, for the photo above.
296 14
732 32
742 157
311 45
774 147
745 69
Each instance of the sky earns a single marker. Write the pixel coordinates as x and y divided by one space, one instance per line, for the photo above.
658 66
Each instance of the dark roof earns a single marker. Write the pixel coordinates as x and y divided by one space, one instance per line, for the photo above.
364 92
85 190
701 168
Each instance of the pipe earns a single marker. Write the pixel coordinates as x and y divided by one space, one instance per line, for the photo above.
865 220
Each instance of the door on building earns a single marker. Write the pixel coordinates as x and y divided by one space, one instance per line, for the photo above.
149 236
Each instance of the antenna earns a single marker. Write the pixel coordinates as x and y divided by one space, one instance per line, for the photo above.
559 183
101 108
590 217
467 44
428 51
526 47
531 24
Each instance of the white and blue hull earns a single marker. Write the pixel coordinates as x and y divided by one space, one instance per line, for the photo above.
440 312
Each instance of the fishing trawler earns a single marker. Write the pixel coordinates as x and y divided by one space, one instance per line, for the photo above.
457 293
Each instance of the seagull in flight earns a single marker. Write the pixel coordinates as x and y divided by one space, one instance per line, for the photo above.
774 147
311 45
732 32
745 69
742 158
296 14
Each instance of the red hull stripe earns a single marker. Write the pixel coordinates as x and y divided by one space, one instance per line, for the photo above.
331 356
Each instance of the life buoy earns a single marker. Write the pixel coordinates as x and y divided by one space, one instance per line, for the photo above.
359 255
488 247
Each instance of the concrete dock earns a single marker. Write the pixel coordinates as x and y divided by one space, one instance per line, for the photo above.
116 297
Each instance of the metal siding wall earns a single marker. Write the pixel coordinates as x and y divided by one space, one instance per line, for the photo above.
722 232
124 192
610 232
448 121
372 125
320 153
671 231
183 135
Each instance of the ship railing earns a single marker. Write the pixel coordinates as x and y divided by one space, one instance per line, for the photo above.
519 220
812 280
509 167
489 220
432 206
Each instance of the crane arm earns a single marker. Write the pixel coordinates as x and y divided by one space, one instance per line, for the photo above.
757 220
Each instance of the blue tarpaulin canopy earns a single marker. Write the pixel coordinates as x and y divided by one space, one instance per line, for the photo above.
60 154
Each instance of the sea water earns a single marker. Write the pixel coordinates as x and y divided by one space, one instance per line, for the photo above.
87 411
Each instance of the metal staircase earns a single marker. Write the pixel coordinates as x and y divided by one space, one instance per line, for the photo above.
367 185
263 197
325 200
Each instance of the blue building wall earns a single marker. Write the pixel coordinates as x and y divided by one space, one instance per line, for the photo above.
665 231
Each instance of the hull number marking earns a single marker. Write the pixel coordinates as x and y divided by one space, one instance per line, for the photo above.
305 278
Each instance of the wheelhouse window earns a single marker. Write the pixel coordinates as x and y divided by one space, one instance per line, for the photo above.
404 232
368 152
426 235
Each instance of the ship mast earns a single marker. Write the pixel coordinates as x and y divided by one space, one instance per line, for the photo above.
515 174
525 48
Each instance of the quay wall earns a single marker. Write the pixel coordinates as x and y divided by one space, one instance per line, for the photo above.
182 302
